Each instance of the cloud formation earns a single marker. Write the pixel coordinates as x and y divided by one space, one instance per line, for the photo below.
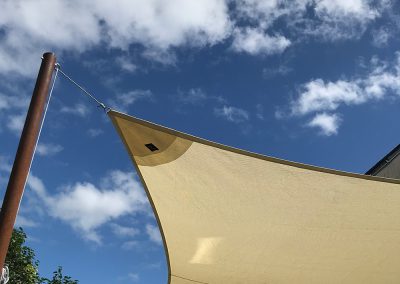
154 233
86 207
24 222
123 231
78 109
193 96
156 25
160 26
327 123
15 123
318 95
48 149
14 106
233 114
94 132
125 100
380 37
328 20
324 98
9 102
255 42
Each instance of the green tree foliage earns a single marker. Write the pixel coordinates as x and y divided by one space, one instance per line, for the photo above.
58 278
21 260
24 266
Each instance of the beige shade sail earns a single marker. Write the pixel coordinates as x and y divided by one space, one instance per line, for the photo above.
230 216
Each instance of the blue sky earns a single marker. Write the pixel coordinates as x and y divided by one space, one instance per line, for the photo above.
316 82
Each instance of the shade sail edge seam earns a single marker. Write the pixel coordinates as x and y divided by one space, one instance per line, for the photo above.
149 197
249 153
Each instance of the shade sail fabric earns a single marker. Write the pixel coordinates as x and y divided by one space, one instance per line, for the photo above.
230 216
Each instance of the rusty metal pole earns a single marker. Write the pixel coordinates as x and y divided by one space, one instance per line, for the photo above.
24 155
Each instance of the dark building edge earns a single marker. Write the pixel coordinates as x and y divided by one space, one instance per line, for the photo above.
384 161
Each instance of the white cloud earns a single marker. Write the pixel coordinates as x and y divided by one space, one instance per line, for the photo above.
130 245
260 111
153 24
94 132
342 19
281 70
255 42
360 9
193 96
154 234
123 231
3 102
86 207
13 107
15 123
79 110
165 57
13 102
328 20
197 96
124 100
327 123
265 12
317 96
24 222
37 185
22 22
126 64
131 97
48 149
231 113
380 37
163 24
159 26
134 277
5 164
383 79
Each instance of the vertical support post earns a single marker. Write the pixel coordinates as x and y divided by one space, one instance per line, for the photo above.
24 155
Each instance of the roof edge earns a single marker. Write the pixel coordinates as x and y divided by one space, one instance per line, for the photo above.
384 161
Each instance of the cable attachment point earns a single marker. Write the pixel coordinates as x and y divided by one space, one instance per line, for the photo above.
99 103
104 107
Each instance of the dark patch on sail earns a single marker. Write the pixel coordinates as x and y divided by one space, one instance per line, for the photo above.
151 147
